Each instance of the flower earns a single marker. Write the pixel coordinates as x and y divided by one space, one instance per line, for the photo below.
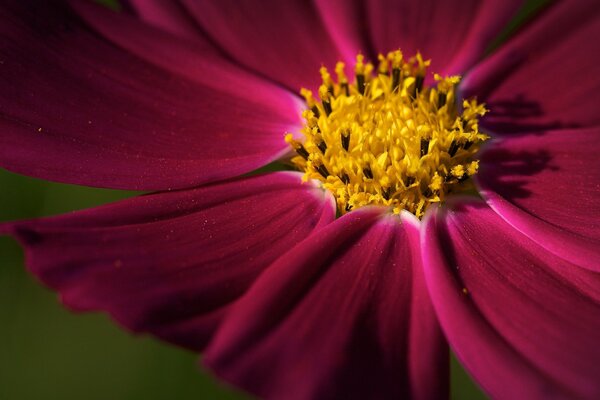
284 299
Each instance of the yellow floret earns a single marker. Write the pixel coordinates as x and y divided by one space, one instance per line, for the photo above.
388 139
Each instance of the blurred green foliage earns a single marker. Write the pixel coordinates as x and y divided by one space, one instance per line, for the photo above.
114 4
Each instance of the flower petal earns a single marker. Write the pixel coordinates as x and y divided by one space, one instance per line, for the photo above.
284 40
541 78
167 15
346 23
523 322
77 109
171 263
546 186
454 34
195 60
342 315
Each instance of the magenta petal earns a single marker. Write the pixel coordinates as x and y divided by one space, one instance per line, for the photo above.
546 186
167 15
345 21
171 263
342 315
523 322
541 78
196 60
284 40
454 34
78 109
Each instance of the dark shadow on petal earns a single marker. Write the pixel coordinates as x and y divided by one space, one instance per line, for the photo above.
502 169
520 114
518 107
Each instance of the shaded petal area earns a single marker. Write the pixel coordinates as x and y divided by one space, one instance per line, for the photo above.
523 322
196 60
454 34
546 186
345 314
284 40
167 15
172 263
76 108
346 23
540 79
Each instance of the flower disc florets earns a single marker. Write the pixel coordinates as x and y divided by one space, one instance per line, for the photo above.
387 138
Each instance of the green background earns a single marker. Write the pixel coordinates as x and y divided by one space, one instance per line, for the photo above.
48 353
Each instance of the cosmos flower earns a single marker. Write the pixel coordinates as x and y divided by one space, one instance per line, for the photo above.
284 299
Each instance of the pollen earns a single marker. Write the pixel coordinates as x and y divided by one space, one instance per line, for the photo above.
388 138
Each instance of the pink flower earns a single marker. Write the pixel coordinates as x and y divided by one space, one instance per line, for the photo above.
285 300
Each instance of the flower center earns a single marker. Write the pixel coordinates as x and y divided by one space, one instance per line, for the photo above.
389 139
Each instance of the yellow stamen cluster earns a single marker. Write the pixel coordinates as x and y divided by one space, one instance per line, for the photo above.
387 138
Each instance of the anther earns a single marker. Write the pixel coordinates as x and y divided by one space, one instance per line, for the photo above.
424 146
419 80
396 58
297 146
345 178
368 173
342 79
465 123
468 144
321 169
409 180
345 136
427 192
345 88
441 100
359 72
322 146
325 99
327 107
315 111
302 152
453 148
360 83
387 193
395 79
